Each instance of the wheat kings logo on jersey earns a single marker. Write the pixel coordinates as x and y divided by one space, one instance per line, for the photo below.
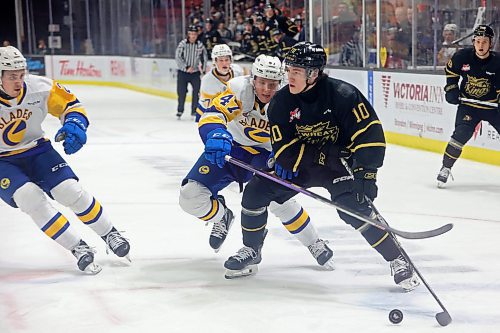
318 133
477 87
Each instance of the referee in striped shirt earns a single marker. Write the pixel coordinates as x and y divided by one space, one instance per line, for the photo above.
191 58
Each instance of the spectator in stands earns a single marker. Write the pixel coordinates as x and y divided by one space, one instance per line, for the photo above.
262 36
224 32
403 35
300 26
41 47
282 43
350 54
450 33
211 37
274 19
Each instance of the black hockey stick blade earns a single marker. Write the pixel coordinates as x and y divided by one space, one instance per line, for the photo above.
443 318
342 208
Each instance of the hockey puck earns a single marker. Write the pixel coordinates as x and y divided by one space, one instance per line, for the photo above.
396 316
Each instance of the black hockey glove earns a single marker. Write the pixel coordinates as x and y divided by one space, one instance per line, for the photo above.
329 155
364 184
452 93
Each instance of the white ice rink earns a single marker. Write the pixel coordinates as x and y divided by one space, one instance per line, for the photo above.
135 158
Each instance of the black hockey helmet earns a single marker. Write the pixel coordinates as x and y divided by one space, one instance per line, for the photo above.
306 55
192 27
484 30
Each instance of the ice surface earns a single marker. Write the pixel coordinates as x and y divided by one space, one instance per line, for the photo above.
134 161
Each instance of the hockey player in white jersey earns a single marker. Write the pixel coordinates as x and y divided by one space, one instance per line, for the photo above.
236 124
215 81
30 168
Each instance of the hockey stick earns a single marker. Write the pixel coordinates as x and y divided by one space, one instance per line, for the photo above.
475 101
342 208
456 41
443 318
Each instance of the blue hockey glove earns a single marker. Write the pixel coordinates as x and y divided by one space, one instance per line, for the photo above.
217 146
73 133
364 184
284 173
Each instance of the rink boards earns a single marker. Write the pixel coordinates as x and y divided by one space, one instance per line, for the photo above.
411 106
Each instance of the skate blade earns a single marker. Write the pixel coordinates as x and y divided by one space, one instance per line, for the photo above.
410 284
92 269
329 265
128 258
248 271
441 184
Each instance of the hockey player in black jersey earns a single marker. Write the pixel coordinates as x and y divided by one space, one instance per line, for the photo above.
479 68
315 122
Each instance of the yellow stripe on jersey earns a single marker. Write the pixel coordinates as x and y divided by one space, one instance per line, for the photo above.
299 158
56 226
62 101
92 214
364 145
211 214
450 73
479 106
364 129
209 119
251 150
285 147
19 151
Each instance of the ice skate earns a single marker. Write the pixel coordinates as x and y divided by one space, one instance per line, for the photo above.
404 274
243 263
443 175
118 244
221 228
323 254
85 256
179 115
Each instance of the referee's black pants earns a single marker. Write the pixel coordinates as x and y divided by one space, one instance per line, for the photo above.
183 78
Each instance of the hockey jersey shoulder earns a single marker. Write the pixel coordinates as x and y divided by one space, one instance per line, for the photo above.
39 84
243 90
237 70
211 85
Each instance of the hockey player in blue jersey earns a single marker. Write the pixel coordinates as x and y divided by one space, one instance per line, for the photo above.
30 168
236 123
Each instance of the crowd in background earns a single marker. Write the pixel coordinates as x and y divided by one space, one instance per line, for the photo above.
410 37
254 30
257 28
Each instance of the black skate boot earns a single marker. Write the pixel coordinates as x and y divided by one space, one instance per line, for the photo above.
404 274
443 175
179 115
245 261
221 228
323 254
85 256
118 244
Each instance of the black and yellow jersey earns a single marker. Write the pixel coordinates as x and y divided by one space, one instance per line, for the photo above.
332 112
480 77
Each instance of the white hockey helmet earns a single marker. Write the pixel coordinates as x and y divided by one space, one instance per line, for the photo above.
221 50
268 67
11 59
